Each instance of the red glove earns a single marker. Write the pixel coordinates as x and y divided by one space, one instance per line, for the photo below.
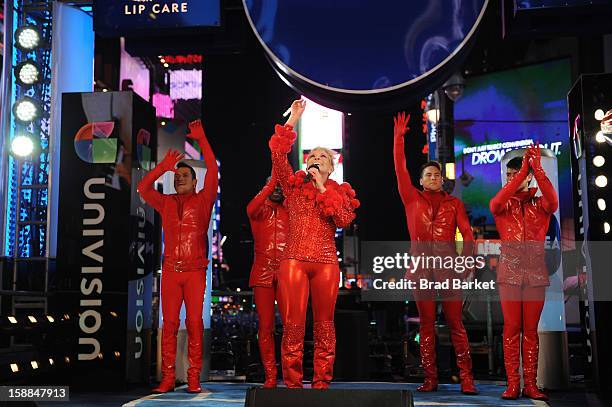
535 157
400 124
196 130
170 160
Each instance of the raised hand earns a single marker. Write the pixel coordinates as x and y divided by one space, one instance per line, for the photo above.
400 124
535 157
196 130
297 108
170 160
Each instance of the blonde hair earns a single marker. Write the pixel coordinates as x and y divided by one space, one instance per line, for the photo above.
330 154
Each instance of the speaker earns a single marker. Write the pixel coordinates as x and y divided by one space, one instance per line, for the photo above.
283 397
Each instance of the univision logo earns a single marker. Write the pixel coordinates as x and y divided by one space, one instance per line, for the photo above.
94 145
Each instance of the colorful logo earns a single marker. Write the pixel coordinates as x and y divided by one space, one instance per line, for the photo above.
93 143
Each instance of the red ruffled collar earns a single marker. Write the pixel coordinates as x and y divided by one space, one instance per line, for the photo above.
307 188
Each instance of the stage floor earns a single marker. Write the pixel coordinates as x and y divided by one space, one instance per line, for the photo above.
232 395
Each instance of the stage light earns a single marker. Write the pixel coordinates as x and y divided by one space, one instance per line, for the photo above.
12 320
66 359
601 181
601 204
22 146
66 317
450 170
599 137
162 60
606 228
598 161
117 354
26 109
100 356
51 362
50 318
27 38
32 319
14 367
599 114
104 90
163 123
238 289
166 65
113 314
34 364
27 73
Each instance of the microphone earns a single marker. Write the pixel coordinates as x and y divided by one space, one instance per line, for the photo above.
308 176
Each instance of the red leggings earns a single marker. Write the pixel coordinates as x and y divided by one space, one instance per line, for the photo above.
264 303
178 287
522 307
296 280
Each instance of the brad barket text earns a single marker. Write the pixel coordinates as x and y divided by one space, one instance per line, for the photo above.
426 284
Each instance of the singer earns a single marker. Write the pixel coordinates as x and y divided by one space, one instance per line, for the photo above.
317 206
433 217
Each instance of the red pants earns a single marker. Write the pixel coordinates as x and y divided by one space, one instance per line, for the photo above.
264 304
175 288
453 313
522 307
296 280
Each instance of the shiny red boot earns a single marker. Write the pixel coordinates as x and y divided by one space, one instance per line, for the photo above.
428 360
268 358
292 353
324 333
195 336
530 367
511 362
464 358
168 345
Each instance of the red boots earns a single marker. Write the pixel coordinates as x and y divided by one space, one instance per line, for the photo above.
428 359
511 362
268 358
292 353
324 333
530 366
462 351
195 335
168 345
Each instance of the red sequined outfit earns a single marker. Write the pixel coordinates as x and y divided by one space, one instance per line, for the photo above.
310 262
269 224
522 220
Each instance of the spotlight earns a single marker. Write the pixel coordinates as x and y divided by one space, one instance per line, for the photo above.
238 289
601 204
166 65
22 146
162 60
14 367
601 181
66 359
51 362
606 227
50 318
27 73
599 114
27 38
26 109
12 320
34 364
598 161
32 319
599 137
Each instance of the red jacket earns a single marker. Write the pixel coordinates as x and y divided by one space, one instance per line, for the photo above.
269 224
423 224
313 216
185 218
522 221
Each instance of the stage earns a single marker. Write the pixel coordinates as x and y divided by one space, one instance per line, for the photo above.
233 394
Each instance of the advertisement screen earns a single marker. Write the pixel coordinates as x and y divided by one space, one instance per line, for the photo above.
507 110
